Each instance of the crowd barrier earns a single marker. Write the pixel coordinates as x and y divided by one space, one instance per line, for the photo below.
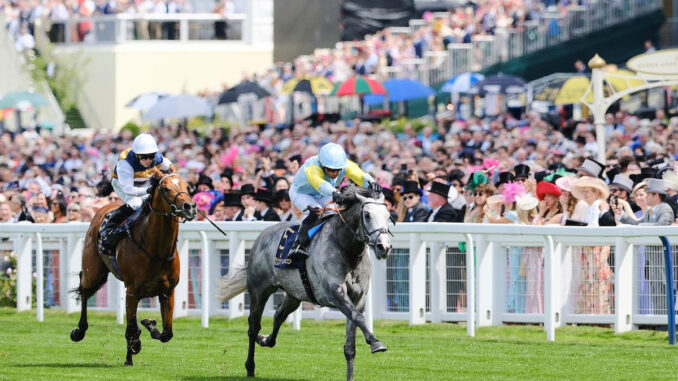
479 274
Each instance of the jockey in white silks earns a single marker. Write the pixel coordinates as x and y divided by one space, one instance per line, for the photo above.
131 180
315 185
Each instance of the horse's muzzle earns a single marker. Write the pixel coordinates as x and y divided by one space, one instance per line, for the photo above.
188 210
383 247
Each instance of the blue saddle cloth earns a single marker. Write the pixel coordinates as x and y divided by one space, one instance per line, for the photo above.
281 261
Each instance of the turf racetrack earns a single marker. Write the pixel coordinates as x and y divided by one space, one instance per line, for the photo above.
43 351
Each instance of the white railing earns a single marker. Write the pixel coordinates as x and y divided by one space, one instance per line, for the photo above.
506 273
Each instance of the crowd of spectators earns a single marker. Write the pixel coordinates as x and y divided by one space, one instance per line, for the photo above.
45 178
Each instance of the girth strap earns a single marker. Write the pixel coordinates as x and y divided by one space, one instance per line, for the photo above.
303 273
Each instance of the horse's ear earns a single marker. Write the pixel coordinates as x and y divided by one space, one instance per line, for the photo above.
360 197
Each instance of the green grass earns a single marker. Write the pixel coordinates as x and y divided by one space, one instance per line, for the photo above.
41 351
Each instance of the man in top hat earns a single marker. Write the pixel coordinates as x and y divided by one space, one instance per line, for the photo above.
204 184
522 172
248 203
441 211
263 199
389 200
504 177
621 187
416 211
591 168
232 207
660 212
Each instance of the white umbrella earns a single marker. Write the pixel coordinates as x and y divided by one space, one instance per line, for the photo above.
462 83
143 102
179 106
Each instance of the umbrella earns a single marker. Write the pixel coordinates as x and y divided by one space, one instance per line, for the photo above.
245 87
504 84
462 83
567 91
359 85
179 106
400 90
621 79
311 85
17 98
144 101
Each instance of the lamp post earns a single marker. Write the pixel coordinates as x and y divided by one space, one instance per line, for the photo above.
599 104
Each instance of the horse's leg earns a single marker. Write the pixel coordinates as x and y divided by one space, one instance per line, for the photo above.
349 348
258 300
132 332
289 305
90 283
166 311
340 299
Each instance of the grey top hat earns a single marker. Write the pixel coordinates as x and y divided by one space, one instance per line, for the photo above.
656 186
623 182
592 167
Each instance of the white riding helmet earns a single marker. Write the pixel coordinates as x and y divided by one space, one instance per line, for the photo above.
332 156
144 144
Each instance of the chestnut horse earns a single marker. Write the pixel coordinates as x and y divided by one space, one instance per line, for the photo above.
147 260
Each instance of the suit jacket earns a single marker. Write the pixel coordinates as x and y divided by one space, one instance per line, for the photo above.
459 214
270 215
418 213
238 216
659 215
446 213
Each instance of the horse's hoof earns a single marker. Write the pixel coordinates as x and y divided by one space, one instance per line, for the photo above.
135 347
149 323
129 363
378 346
264 341
77 334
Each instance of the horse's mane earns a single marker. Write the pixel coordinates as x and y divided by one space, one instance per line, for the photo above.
350 192
155 181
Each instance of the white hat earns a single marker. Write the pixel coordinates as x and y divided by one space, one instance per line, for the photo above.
144 144
590 182
526 201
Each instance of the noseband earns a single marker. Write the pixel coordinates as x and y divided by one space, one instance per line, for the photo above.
362 234
174 211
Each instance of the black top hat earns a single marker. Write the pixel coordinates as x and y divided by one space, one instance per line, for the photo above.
388 195
504 177
280 195
522 171
411 187
264 195
440 188
232 199
592 167
247 189
280 164
204 179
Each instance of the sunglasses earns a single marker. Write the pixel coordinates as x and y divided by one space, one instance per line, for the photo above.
408 197
146 156
332 170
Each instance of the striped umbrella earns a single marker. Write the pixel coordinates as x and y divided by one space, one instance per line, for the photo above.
359 85
462 83
311 85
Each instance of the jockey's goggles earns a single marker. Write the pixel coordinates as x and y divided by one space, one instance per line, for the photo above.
333 170
146 156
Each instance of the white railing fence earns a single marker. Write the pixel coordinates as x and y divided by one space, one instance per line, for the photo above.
481 274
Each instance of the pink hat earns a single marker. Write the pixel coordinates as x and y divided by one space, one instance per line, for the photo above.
565 183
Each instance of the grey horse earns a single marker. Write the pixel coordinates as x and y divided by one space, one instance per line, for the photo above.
338 271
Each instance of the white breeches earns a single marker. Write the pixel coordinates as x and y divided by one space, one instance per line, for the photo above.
302 200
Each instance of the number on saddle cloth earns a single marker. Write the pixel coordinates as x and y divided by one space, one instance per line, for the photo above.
281 261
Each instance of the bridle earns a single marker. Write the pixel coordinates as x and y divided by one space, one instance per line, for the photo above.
362 234
174 211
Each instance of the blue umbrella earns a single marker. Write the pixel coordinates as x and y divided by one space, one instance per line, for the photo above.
400 90
179 106
462 83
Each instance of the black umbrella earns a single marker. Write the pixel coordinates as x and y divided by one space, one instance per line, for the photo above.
246 87
499 84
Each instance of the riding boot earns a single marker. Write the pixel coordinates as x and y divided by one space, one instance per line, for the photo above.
301 242
109 233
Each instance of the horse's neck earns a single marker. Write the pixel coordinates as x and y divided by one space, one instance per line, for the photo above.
160 234
347 231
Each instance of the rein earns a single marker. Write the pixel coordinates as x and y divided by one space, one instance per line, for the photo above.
362 234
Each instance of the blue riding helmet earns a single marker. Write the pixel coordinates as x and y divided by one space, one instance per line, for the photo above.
332 156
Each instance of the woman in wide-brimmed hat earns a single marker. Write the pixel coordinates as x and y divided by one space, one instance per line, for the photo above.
572 208
479 195
594 191
550 210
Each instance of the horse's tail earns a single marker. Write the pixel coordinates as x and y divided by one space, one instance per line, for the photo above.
233 283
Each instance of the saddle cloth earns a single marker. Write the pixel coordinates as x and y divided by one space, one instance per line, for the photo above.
281 261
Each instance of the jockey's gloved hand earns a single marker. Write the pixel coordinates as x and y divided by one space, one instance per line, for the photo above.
337 198
149 190
374 186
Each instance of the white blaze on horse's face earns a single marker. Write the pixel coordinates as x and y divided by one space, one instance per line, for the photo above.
376 219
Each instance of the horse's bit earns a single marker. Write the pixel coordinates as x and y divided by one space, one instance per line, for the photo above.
174 211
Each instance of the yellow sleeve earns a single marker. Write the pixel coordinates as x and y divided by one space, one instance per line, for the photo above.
354 173
315 176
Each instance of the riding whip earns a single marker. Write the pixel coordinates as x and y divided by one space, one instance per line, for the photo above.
212 222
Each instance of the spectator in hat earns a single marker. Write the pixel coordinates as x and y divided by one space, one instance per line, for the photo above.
660 212
475 213
504 177
620 189
204 184
549 208
594 191
441 210
283 205
591 168
522 172
232 207
248 203
415 211
263 200
573 208
390 201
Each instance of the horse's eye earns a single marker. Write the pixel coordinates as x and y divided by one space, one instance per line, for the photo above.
367 217
165 190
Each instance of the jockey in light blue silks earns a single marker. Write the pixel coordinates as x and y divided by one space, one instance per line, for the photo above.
316 184
131 180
